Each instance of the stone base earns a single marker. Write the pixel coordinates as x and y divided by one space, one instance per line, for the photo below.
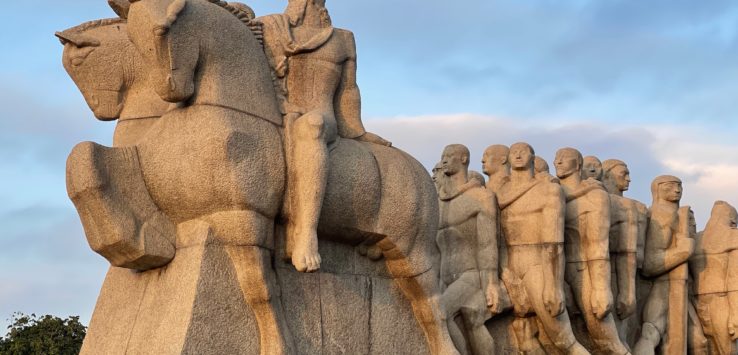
194 306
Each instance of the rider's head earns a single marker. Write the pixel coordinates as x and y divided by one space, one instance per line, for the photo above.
298 9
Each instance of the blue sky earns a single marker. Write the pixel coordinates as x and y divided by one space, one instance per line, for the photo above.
654 83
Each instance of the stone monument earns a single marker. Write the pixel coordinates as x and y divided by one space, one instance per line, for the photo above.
668 248
532 219
587 231
715 267
467 240
245 209
197 203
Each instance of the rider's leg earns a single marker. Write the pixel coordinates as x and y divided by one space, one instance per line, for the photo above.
309 175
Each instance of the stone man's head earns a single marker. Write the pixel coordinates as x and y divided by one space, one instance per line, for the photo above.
592 168
521 156
455 159
494 159
616 174
296 10
723 215
437 174
666 188
541 166
568 161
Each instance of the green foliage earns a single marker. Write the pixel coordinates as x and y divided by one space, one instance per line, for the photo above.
47 335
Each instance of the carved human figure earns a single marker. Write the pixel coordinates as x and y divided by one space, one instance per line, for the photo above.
628 223
587 231
315 69
714 267
532 219
496 166
668 247
467 241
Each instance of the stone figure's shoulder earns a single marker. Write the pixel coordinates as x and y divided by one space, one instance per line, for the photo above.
346 37
485 197
549 188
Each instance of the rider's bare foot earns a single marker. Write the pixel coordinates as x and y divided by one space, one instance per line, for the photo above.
373 138
305 255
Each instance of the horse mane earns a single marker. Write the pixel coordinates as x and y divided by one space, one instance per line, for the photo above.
95 24
242 15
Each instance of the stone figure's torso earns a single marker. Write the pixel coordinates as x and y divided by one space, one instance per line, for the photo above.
522 221
583 227
458 237
314 77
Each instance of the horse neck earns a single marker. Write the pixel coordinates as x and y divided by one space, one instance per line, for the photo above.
233 71
140 99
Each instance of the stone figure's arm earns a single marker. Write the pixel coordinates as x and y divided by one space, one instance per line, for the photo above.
626 263
552 231
487 252
597 251
586 186
347 102
731 284
660 257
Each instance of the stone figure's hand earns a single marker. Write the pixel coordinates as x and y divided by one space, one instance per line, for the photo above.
493 298
553 299
732 328
373 138
626 305
685 247
601 303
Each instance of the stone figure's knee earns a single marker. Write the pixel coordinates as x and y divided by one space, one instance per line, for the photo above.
650 332
310 125
473 316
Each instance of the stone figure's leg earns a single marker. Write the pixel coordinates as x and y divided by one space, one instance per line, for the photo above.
451 302
697 343
714 317
654 319
603 332
308 175
121 221
557 328
526 331
475 313
625 264
260 290
419 283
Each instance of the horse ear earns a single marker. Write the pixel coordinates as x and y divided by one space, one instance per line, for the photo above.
77 39
120 7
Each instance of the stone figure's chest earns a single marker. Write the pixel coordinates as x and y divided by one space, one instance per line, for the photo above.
457 211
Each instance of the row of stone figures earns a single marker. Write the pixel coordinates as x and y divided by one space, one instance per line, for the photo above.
239 141
570 251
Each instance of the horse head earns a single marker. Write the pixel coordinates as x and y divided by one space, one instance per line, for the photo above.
90 50
166 42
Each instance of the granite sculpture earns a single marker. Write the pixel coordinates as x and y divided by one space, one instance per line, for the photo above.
532 220
669 245
467 240
714 267
245 209
587 230
628 223
208 178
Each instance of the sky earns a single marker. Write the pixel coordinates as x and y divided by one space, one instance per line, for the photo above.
653 83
